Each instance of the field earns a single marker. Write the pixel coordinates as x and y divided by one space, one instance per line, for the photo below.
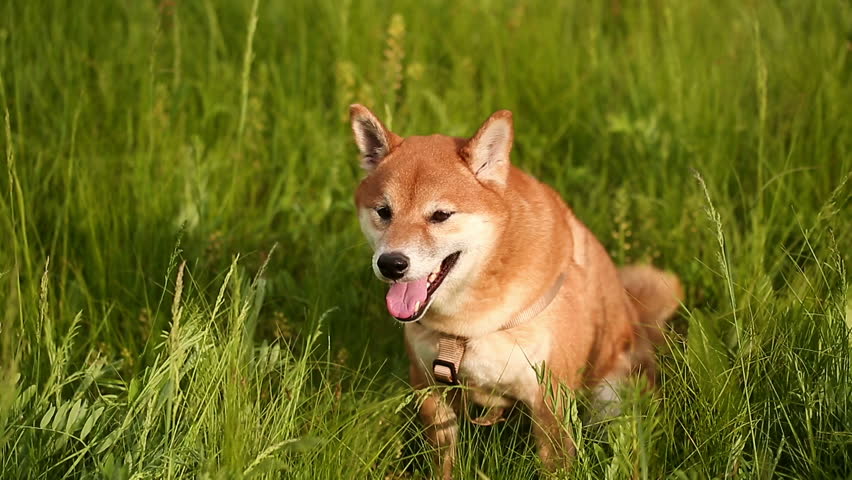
185 292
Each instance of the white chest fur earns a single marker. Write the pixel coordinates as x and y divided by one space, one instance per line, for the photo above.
499 367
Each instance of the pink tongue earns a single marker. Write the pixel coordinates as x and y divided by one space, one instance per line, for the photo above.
402 297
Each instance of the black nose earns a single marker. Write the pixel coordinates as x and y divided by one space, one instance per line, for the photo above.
393 265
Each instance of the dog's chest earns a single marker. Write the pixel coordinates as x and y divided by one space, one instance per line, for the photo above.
499 367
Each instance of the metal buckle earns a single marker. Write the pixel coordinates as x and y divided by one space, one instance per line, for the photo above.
454 380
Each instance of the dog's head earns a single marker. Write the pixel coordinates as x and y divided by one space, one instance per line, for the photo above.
430 208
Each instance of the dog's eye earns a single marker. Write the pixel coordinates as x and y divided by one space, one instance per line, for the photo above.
384 212
440 216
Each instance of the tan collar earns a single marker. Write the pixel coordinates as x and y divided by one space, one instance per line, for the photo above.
451 347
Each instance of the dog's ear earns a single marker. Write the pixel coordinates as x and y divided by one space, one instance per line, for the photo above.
487 153
374 140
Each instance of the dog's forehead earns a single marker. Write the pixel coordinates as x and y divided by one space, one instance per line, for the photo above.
432 148
418 169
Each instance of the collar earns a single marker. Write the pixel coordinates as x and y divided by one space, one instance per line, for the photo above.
451 348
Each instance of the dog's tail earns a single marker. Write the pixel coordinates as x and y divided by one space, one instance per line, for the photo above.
655 295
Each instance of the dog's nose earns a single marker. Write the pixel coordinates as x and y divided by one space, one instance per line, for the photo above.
393 265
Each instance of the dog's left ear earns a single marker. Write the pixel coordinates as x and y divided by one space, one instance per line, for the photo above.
487 153
374 140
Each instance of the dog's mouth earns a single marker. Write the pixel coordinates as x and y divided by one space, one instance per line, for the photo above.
408 301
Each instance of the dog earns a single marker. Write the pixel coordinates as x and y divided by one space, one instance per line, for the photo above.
495 279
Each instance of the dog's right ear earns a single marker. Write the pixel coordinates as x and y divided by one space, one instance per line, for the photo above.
487 153
374 140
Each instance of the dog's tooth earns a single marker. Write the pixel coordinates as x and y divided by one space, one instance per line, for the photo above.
416 306
432 277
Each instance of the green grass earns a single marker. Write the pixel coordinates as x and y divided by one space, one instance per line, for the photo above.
157 152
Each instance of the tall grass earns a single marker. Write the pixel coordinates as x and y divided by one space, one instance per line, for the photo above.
156 152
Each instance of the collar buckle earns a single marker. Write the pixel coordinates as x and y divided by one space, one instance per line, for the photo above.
445 371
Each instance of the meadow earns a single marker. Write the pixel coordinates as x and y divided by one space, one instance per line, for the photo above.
185 291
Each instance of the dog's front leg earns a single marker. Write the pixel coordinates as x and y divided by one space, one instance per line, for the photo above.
442 429
437 412
555 445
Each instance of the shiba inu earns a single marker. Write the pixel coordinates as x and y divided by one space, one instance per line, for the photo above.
494 277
